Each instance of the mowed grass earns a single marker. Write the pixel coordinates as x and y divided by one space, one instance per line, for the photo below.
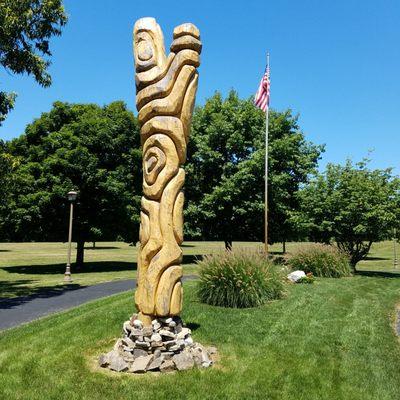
34 268
330 340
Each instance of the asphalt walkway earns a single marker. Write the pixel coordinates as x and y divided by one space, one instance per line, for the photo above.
20 310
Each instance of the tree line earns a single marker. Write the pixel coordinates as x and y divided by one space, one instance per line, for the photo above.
96 150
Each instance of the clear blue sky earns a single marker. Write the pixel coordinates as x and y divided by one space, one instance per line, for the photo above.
336 63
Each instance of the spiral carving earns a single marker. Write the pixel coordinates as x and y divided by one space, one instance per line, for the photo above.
165 93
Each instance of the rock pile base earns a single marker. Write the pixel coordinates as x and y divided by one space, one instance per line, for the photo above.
164 346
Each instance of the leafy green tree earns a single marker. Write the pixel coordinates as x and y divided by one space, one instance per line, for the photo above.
225 171
353 206
8 164
92 149
26 27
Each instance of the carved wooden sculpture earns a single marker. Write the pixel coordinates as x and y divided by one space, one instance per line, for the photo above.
166 88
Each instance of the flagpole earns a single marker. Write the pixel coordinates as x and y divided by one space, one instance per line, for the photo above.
266 177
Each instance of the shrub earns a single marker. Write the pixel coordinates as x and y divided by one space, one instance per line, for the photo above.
239 279
321 260
309 279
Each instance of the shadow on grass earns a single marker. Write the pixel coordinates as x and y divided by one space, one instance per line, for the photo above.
59 269
193 326
378 274
101 248
26 293
4 250
89 267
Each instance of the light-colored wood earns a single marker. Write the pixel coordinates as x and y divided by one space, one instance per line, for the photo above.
165 92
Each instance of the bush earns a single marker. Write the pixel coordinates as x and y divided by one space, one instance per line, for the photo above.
321 260
309 279
239 279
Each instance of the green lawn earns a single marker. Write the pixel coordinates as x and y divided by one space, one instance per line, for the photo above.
331 340
32 268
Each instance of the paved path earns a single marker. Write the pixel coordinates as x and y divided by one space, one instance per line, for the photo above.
20 310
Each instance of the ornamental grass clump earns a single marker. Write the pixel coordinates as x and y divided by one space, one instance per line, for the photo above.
321 260
239 279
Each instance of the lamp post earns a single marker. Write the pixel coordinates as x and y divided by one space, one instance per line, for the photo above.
71 198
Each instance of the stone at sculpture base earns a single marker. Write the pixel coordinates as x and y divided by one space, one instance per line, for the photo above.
164 346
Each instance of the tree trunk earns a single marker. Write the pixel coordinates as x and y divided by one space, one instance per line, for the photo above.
80 254
284 247
228 245
94 245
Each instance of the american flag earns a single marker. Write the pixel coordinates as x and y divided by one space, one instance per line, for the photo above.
261 100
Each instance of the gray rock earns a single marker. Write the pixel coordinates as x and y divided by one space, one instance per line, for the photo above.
167 334
128 342
128 357
157 353
168 320
155 364
136 332
141 363
142 345
175 348
168 355
197 357
139 353
117 363
147 331
103 360
167 366
183 361
170 343
157 344
118 345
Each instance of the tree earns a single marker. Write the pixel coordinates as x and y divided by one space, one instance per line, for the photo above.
25 29
353 206
8 164
92 149
225 171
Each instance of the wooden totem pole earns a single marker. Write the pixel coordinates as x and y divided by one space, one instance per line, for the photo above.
165 92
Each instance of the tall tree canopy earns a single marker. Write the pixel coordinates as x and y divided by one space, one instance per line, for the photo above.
92 149
26 27
353 206
225 171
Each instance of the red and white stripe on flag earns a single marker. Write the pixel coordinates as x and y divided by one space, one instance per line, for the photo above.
261 100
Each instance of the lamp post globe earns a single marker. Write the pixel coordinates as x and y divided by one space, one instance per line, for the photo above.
71 195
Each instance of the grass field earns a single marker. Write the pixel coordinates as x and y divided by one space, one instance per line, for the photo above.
332 340
33 268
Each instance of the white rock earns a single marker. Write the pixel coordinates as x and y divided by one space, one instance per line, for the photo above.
137 323
184 333
296 275
127 327
156 337
188 341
